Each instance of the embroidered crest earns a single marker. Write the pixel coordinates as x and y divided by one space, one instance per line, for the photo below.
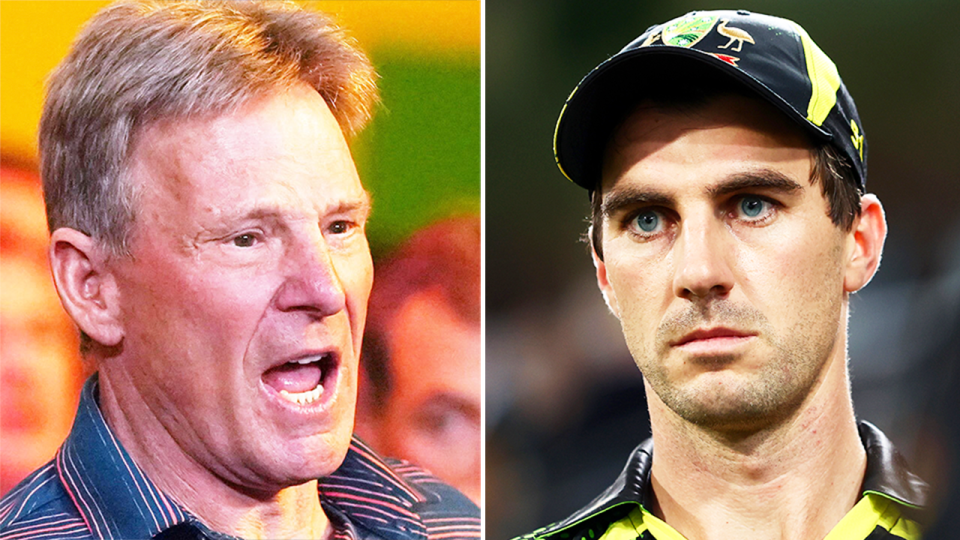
735 34
687 31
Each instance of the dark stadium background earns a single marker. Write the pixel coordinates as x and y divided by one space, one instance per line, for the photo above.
565 404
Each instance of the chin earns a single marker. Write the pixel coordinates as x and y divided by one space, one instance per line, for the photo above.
322 455
737 413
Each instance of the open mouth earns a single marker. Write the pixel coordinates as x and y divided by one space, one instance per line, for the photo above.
301 381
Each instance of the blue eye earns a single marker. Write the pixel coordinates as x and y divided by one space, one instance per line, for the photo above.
752 207
648 221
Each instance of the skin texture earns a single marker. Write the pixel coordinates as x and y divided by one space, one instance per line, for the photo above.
248 251
432 415
731 285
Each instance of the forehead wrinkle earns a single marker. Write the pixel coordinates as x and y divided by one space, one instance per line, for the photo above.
277 211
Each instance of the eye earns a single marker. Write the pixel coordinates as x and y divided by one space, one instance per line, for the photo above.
245 240
648 221
753 208
340 227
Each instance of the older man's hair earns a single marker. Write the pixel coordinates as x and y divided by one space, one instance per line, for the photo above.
444 257
140 62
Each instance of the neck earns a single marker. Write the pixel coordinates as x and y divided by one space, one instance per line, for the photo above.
793 479
287 512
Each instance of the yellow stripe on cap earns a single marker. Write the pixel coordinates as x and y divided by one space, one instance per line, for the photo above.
824 78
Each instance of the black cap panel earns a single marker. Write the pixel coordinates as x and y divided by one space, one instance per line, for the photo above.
771 57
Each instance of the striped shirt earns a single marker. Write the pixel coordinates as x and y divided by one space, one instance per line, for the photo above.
891 496
92 489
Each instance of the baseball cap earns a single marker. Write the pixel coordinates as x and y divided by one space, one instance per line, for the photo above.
770 57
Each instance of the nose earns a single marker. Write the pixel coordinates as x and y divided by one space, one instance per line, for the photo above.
311 282
703 254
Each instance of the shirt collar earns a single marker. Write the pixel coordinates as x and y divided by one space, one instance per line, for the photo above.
114 497
116 500
886 475
374 497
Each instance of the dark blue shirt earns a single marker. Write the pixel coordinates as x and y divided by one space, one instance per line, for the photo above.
92 489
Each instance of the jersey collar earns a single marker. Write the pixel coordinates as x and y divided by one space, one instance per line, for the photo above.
886 475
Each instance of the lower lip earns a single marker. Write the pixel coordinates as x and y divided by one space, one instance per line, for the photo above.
320 405
714 345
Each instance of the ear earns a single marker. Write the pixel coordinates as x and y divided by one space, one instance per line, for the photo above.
87 290
866 244
608 294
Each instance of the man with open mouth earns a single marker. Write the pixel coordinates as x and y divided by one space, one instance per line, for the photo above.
208 240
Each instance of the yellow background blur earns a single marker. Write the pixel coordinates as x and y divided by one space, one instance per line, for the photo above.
29 49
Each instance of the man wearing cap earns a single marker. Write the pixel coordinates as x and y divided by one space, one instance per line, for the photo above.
726 165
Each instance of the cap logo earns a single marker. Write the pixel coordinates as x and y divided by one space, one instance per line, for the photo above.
732 60
688 30
857 137
735 34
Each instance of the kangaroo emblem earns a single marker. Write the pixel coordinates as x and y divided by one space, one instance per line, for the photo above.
735 34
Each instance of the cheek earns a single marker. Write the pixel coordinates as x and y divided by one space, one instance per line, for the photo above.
643 288
356 276
800 275
178 313
213 296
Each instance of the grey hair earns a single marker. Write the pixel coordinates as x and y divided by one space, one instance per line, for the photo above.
139 62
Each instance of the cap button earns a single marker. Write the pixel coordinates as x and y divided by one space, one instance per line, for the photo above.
743 12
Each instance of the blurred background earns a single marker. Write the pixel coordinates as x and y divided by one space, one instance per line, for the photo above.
564 401
420 158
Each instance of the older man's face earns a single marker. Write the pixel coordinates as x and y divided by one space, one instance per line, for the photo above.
243 303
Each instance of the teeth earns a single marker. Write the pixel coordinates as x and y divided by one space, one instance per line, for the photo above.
306 361
302 398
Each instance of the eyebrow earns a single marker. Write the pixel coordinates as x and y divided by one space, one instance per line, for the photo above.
362 204
765 179
633 196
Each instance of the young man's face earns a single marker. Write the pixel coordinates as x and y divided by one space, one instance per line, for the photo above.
721 261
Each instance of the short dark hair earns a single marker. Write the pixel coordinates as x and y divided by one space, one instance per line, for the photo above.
834 173
445 257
